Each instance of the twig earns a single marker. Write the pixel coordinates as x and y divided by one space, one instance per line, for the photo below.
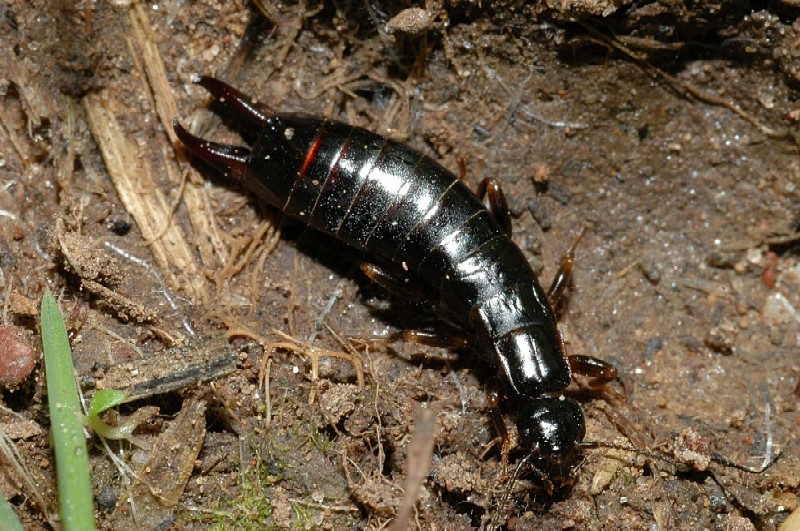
687 87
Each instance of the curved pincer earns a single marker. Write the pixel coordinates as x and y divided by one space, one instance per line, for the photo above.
230 160
246 108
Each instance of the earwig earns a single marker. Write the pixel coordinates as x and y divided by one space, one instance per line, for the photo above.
410 214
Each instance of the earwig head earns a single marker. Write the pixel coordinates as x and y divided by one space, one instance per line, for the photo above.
551 427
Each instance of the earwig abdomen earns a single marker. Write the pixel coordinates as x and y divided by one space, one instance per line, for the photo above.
402 208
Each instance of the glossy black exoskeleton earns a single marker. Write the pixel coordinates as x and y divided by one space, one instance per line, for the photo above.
405 210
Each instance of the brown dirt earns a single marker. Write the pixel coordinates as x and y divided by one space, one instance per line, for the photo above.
668 129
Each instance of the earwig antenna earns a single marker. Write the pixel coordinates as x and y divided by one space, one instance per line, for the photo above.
504 499
517 470
715 456
624 447
721 459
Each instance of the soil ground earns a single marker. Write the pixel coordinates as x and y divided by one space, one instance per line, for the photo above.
667 129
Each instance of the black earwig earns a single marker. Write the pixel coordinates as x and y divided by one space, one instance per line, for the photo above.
408 212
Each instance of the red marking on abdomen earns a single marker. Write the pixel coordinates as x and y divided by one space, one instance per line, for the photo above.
310 156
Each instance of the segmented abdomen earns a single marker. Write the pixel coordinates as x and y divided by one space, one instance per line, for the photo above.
406 209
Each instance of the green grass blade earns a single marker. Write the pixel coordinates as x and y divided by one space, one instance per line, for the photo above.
105 399
75 502
8 518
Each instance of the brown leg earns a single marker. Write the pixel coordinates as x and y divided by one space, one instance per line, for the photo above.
601 372
411 291
401 287
506 444
564 273
430 339
490 192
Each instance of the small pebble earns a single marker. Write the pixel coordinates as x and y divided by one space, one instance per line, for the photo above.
17 356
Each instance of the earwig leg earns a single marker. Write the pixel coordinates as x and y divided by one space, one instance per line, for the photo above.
505 438
247 108
412 292
462 168
601 372
395 285
490 192
230 160
429 338
564 273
